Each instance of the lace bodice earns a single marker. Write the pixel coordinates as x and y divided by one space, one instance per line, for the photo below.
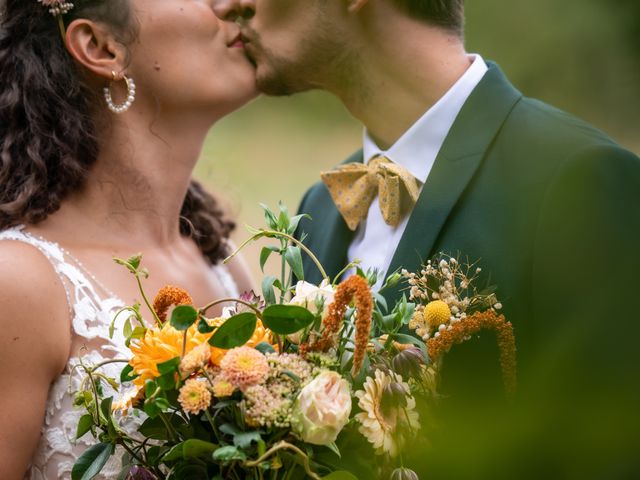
91 310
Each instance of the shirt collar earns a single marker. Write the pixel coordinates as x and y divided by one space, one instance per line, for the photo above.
417 149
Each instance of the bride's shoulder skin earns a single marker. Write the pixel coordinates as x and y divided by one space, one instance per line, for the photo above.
35 342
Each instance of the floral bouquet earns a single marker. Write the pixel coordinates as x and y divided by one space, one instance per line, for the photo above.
270 389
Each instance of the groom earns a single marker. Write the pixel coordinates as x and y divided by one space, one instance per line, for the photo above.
549 205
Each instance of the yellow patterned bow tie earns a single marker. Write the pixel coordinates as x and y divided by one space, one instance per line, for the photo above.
354 186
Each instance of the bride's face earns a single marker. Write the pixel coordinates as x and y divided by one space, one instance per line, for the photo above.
185 58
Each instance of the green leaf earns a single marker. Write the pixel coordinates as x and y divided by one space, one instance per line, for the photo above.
380 300
265 253
204 327
293 224
127 374
267 289
264 348
235 331
105 408
269 217
170 366
183 316
127 330
244 439
84 425
340 475
229 454
192 448
286 319
154 428
135 260
293 256
91 462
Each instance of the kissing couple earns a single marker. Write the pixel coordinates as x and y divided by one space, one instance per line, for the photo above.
104 108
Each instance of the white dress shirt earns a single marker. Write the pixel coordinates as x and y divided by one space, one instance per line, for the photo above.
375 242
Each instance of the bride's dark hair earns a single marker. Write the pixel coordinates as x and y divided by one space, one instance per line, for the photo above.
48 133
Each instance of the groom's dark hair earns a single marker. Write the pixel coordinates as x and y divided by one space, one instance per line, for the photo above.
448 14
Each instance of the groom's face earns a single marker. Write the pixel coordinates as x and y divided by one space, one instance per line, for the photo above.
292 42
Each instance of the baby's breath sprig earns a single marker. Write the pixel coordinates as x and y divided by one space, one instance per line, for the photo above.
446 293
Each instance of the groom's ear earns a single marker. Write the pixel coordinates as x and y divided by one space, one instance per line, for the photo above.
356 5
95 48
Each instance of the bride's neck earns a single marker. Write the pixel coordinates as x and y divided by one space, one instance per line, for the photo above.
137 186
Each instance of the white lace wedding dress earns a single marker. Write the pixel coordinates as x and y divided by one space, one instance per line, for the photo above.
91 314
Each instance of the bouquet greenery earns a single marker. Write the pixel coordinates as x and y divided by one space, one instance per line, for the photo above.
270 389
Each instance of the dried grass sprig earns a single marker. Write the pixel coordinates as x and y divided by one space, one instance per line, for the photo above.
353 288
487 320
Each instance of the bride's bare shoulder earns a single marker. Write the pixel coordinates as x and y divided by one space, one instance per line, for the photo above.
34 311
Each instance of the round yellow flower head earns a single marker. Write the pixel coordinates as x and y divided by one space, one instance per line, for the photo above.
437 313
194 396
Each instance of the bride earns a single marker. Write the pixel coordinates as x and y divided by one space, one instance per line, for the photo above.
104 108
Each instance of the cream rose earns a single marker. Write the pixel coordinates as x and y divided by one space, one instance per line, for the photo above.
322 409
308 294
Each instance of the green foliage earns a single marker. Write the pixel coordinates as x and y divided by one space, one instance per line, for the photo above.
235 331
91 461
183 316
287 319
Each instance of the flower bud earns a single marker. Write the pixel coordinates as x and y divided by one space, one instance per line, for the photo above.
139 473
394 397
404 474
393 280
408 363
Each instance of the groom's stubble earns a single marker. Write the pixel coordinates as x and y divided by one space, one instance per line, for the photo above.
321 60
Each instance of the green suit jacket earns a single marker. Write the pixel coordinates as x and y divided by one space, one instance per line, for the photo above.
550 207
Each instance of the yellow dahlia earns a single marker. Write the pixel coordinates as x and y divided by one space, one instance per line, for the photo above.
160 345
383 430
194 396
244 367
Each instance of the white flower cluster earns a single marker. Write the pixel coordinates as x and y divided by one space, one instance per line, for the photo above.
57 7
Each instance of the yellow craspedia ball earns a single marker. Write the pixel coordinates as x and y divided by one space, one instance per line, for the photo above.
437 313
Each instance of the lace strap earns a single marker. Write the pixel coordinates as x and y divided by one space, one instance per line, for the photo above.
88 311
50 251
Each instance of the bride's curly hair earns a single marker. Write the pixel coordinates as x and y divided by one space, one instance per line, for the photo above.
48 132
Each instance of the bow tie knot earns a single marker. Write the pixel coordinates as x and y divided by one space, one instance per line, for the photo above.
354 186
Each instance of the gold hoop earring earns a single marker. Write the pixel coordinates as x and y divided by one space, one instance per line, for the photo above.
131 95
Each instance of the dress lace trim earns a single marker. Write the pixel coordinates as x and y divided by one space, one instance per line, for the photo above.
91 316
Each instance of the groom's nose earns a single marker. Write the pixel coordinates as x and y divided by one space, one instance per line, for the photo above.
234 9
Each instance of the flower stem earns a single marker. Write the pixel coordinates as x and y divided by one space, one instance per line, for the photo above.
204 309
281 446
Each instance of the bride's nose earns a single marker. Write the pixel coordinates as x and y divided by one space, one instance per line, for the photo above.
234 9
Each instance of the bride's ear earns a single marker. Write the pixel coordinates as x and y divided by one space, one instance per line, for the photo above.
355 6
95 48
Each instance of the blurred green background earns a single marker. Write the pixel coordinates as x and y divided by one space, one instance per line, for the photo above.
582 56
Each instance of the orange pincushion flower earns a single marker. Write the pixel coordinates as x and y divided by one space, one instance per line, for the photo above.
354 287
473 324
168 296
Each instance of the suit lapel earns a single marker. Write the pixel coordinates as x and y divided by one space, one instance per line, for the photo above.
460 156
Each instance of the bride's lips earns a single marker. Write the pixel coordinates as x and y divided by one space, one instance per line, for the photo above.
236 42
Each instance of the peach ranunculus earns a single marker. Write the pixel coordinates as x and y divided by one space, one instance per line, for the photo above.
322 408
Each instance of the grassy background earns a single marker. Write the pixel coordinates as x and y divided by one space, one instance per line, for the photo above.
581 55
